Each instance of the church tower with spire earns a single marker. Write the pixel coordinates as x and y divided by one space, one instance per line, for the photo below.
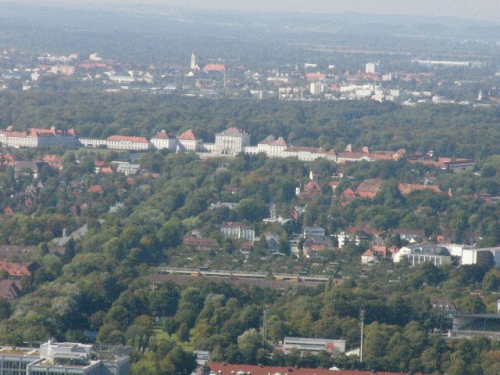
194 65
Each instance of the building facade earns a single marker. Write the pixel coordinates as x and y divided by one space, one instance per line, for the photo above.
313 345
164 141
235 230
63 359
424 253
232 141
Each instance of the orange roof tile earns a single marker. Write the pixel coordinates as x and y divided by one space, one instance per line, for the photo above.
227 369
188 135
163 135
214 68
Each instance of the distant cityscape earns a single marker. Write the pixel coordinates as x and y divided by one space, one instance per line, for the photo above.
420 84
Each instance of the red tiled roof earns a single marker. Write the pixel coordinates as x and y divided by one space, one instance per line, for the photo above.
280 142
163 135
188 135
10 133
406 189
313 187
369 188
226 369
349 193
315 76
272 142
214 68
15 269
267 141
121 138
368 253
199 242
37 132
96 189
106 170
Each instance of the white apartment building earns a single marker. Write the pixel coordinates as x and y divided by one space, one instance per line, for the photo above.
237 230
423 253
372 68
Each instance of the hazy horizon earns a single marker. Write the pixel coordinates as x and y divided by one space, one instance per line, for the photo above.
488 10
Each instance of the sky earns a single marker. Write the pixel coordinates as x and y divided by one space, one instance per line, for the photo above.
472 9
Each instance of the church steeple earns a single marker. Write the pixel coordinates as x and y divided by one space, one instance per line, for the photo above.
193 60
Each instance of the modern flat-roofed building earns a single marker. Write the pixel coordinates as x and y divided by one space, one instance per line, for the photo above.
64 359
238 230
313 345
423 253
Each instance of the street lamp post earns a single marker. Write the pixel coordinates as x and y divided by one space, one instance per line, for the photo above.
362 318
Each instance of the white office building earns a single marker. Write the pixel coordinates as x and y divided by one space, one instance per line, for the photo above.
64 359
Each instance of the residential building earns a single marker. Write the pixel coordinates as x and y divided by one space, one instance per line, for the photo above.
376 253
200 243
443 304
423 253
317 88
127 168
406 189
18 270
311 190
344 238
372 68
238 230
369 188
314 231
214 68
410 235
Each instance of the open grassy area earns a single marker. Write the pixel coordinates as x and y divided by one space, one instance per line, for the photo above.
161 334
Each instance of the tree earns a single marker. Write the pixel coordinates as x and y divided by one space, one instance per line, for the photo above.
164 300
183 332
248 343
284 244
178 362
251 209
470 305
